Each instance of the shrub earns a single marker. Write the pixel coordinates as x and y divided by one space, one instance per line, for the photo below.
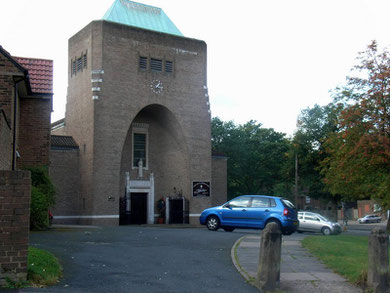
42 197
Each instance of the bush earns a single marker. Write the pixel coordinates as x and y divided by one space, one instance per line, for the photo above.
42 197
39 219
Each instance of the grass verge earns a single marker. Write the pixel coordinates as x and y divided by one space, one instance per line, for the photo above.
43 267
346 255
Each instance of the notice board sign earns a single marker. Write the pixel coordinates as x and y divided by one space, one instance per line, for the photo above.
200 188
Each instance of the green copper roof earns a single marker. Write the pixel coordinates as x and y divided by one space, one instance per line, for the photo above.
141 15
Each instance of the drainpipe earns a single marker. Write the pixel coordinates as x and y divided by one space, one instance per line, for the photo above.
14 126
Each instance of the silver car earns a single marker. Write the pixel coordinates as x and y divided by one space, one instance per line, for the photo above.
312 222
370 219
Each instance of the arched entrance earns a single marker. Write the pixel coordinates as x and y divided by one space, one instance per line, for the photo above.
154 164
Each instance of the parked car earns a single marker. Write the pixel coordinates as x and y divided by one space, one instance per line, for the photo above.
313 222
370 219
252 211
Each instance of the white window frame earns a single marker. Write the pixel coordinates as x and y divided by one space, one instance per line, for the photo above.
142 128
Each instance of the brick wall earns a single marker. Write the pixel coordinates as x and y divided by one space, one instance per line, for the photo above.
34 132
14 224
64 172
5 143
7 69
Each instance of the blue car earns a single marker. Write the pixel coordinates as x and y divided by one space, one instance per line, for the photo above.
253 212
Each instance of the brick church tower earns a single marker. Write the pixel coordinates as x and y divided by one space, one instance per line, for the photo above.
138 109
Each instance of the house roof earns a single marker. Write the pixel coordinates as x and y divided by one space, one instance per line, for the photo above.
23 70
142 16
63 142
40 72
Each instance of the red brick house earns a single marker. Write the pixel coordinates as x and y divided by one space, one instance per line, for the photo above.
26 92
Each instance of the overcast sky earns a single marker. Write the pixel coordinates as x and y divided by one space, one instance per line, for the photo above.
267 60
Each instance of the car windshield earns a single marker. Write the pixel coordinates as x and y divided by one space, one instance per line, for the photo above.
324 218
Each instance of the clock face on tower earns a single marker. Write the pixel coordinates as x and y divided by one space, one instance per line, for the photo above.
156 86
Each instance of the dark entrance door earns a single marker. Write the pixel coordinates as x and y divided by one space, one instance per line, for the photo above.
138 212
176 215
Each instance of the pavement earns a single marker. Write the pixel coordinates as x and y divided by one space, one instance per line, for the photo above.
299 270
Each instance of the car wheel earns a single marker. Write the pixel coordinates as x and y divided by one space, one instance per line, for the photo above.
212 223
274 221
228 229
325 231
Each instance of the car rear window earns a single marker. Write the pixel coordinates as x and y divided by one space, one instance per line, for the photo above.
287 203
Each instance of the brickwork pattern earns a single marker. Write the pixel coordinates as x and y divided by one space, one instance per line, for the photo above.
14 224
5 143
66 179
7 69
6 106
34 132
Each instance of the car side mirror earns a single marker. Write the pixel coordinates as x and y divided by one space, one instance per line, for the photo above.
227 206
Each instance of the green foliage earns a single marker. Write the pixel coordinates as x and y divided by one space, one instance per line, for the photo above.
357 163
43 267
42 197
11 284
39 209
255 156
314 126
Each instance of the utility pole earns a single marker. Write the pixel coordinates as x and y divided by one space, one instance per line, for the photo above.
296 182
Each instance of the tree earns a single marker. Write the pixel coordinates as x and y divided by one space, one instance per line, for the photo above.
256 156
357 162
314 125
42 197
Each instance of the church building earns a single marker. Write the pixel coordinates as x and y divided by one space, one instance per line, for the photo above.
135 144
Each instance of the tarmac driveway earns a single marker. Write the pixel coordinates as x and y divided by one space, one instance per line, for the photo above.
142 259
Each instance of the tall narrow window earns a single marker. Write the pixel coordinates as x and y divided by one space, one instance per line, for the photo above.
73 67
155 64
143 62
139 149
79 64
85 60
168 66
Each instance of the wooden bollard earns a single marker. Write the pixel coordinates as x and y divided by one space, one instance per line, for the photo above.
378 261
268 271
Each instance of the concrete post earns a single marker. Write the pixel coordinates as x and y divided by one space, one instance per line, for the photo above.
268 271
378 261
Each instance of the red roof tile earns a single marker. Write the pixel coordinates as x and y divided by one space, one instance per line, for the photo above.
40 72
